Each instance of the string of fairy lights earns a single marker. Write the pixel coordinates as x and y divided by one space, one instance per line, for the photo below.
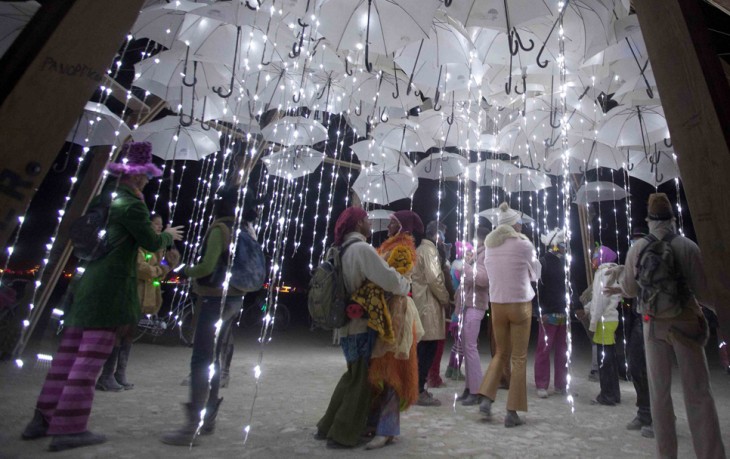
290 216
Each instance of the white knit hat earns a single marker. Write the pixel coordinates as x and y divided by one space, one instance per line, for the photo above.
508 216
553 237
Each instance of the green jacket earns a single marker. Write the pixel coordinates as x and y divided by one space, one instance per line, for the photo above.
106 294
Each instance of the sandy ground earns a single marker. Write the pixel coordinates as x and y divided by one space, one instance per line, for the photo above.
299 370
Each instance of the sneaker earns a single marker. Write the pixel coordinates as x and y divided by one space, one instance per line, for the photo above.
426 399
647 432
463 396
64 442
485 407
635 424
107 383
512 420
471 400
542 393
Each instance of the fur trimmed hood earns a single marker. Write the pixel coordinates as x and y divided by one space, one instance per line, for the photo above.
500 234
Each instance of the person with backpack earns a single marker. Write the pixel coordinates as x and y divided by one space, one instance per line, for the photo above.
209 277
552 327
104 299
346 416
664 272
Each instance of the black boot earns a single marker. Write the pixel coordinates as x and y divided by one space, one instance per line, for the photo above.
121 374
185 435
36 428
211 412
106 381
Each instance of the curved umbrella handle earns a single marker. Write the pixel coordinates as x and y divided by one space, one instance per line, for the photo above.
368 64
251 7
413 71
195 68
395 94
219 90
629 164
348 71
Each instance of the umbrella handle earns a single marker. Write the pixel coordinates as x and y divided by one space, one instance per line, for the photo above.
195 69
258 2
384 115
524 85
324 88
629 164
395 94
668 142
219 90
368 64
347 69
358 109
203 125
437 96
447 3
186 120
413 71
296 48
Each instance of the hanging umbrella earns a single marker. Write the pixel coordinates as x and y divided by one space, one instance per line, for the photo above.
295 130
599 191
374 152
13 18
384 90
525 180
445 61
637 125
403 135
437 166
383 184
583 155
656 168
326 92
278 85
451 127
494 14
379 219
490 172
293 164
171 141
162 23
493 216
380 26
98 126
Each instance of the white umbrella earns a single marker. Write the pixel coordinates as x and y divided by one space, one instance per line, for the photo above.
526 180
599 191
380 26
493 13
493 216
656 168
293 164
445 61
403 135
171 141
637 125
98 126
379 218
372 151
384 90
162 23
13 18
451 128
295 130
490 172
440 165
585 154
383 184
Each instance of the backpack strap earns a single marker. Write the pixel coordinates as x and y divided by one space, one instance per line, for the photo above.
344 247
649 238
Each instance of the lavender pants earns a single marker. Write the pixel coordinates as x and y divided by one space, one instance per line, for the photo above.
551 337
469 337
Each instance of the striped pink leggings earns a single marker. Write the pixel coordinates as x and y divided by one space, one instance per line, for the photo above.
68 392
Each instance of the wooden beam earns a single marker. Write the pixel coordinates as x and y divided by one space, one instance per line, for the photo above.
696 100
49 89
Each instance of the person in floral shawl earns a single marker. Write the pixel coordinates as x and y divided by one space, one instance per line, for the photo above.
393 371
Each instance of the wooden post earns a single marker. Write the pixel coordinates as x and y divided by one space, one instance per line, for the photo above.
696 100
47 89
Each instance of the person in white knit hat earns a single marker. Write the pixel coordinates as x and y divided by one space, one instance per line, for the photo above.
511 265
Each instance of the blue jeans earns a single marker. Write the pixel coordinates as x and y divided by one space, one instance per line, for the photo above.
206 350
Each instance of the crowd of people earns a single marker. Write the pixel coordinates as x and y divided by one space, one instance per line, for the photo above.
403 299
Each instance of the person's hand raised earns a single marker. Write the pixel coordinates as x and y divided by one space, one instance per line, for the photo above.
175 231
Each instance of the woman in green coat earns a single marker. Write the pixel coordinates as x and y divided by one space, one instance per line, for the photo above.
104 299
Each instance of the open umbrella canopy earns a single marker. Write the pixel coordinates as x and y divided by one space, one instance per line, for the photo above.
13 17
383 184
295 130
525 180
440 165
162 23
585 154
493 216
293 163
490 172
171 141
373 152
379 219
637 125
599 191
497 14
98 126
403 135
655 168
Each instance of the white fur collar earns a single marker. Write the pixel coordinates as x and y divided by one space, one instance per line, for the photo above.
500 234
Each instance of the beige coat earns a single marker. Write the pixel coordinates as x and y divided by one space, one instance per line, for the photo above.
429 291
149 270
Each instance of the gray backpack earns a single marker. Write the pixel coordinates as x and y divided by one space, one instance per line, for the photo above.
327 297
663 292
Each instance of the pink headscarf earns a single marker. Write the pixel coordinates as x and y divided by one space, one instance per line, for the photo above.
462 248
347 222
409 221
604 255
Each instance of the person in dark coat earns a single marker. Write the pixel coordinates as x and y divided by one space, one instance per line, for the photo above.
104 299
